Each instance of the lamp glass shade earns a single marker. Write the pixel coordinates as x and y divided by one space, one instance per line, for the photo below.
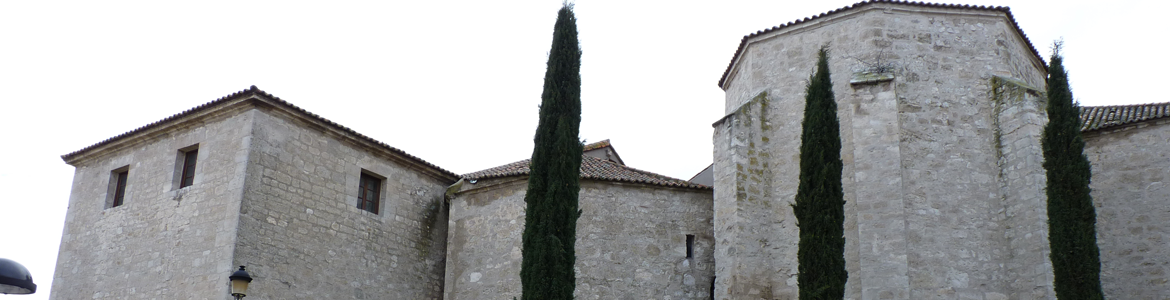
239 287
15 279
240 280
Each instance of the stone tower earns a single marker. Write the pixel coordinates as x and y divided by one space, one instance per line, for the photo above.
940 126
313 209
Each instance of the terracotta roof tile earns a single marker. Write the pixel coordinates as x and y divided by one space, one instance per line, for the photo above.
592 168
743 42
250 92
597 145
1102 117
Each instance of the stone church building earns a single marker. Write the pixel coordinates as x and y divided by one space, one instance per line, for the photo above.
941 110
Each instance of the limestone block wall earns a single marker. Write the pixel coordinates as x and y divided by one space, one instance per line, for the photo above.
872 129
631 241
928 46
725 213
921 151
485 227
163 242
1020 119
1131 166
755 229
302 235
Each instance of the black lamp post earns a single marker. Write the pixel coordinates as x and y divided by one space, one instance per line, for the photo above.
15 279
240 280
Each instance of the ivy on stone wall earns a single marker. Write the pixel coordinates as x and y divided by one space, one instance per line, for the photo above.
1072 221
820 202
550 226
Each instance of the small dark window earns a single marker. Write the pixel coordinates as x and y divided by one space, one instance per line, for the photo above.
116 191
120 187
690 246
369 189
189 158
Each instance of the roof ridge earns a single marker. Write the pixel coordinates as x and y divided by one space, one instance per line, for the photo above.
667 179
597 145
255 91
644 172
589 170
743 42
485 175
251 90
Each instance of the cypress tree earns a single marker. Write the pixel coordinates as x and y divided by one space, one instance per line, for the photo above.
820 203
1072 221
550 226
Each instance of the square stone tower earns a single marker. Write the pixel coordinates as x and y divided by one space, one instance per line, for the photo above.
940 126
313 209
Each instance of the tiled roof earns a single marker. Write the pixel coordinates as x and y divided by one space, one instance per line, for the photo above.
599 150
743 42
598 145
592 168
256 92
1101 117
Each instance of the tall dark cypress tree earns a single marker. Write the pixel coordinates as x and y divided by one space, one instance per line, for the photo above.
550 226
1072 221
819 207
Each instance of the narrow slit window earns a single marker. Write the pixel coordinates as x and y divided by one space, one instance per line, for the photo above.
189 158
690 246
116 190
369 190
120 187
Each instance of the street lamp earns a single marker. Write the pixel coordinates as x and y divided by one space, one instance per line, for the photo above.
15 279
240 280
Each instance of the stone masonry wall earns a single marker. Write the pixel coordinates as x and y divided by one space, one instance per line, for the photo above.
631 241
163 242
302 235
1020 119
755 230
1131 167
921 152
872 128
484 241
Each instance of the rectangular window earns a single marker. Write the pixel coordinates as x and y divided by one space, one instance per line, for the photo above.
188 175
369 190
690 246
120 189
116 194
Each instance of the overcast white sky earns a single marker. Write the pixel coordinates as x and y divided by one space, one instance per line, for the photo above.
456 83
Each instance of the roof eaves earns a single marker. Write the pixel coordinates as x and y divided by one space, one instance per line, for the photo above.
202 107
253 91
743 42
1095 118
414 159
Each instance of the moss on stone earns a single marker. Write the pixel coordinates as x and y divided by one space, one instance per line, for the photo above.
427 227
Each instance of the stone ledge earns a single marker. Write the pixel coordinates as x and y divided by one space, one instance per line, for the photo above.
1018 83
870 77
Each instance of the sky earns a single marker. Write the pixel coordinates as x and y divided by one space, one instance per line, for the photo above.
456 83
